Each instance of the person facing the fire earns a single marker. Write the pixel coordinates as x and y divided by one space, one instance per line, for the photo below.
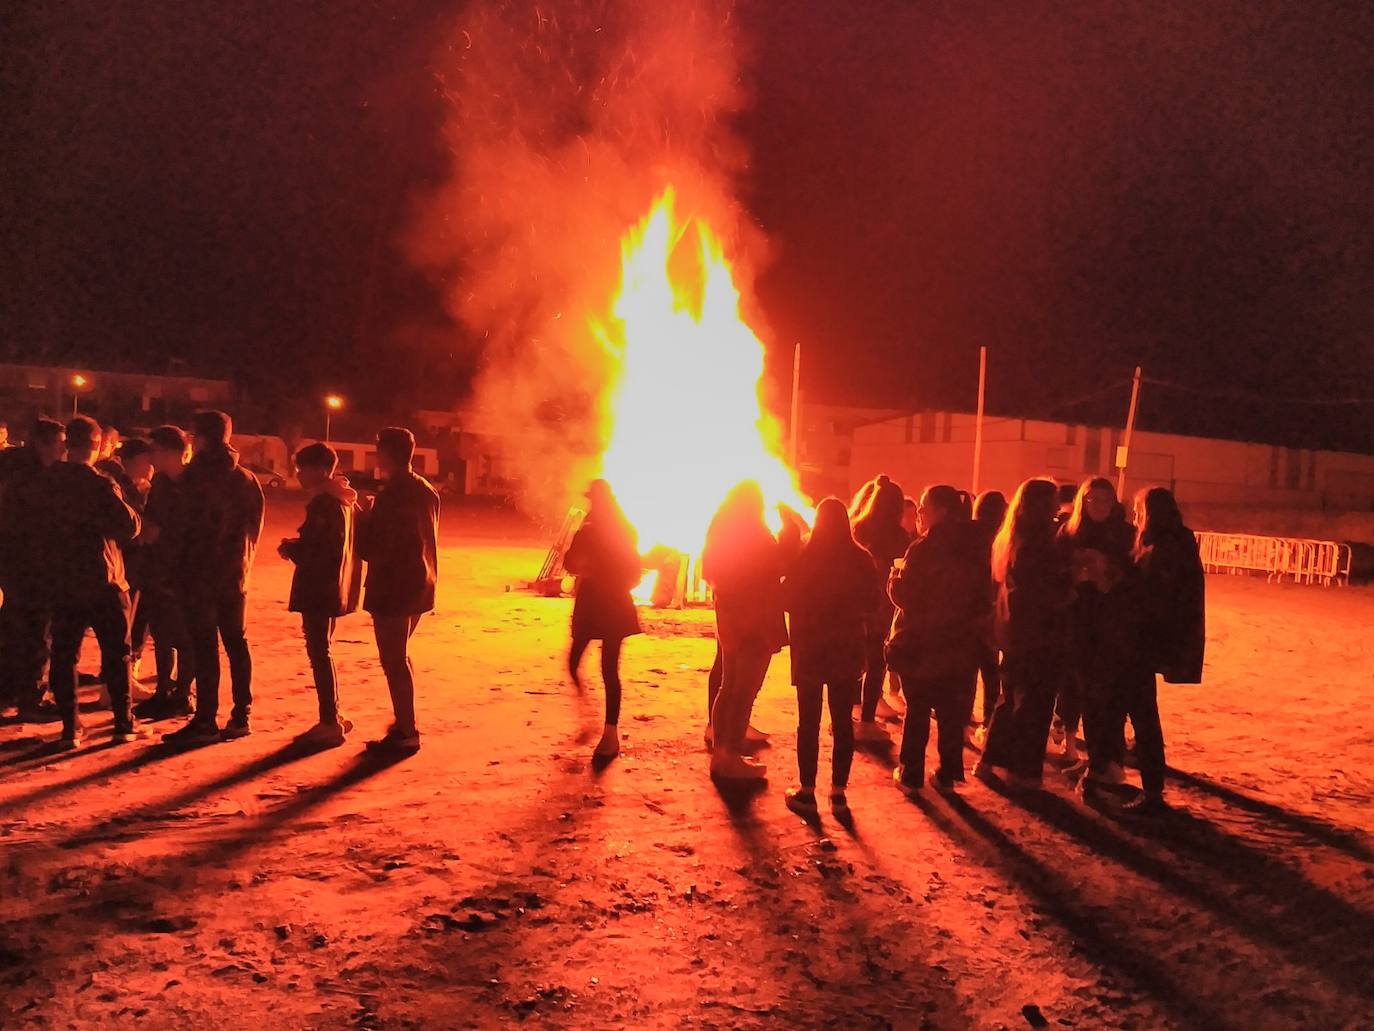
832 591
604 556
327 580
744 563
879 530
398 535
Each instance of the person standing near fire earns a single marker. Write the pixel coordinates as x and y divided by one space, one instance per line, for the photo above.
604 556
879 530
398 535
224 513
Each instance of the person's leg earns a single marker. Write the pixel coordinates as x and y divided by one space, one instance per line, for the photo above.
841 696
809 731
1104 720
204 634
723 706
1149 732
232 612
317 629
610 675
24 650
68 630
1035 711
713 682
575 653
1068 706
952 711
393 636
754 665
873 679
110 620
915 730
990 671
1004 726
140 623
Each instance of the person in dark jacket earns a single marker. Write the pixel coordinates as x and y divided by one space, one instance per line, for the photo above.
604 556
86 524
1034 593
744 563
327 581
832 591
879 531
398 537
224 512
131 467
25 615
1172 597
160 548
942 591
988 512
1097 540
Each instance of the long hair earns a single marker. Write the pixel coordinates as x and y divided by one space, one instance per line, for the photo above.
990 509
831 531
1031 512
858 505
1162 516
1076 517
955 503
884 508
736 529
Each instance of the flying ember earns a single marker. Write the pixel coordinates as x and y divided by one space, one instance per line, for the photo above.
684 419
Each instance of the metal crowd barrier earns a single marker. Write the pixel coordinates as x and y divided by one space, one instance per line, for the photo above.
1279 558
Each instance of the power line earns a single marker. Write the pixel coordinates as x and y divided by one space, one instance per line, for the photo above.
1245 395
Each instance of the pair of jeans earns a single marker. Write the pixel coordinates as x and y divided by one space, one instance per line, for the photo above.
318 631
107 615
1136 697
744 667
211 620
876 675
841 695
172 650
610 671
990 671
23 650
1021 725
713 680
393 649
947 698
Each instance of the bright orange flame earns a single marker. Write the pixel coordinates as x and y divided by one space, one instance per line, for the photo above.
685 424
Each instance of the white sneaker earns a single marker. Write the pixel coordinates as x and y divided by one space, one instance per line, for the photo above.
871 734
325 735
609 745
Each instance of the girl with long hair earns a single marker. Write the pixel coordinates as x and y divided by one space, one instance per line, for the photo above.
879 531
604 556
832 591
988 512
1033 594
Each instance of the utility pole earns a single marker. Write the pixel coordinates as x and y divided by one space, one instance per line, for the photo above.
978 422
795 430
1123 453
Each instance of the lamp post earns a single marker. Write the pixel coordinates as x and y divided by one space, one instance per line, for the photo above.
332 403
78 383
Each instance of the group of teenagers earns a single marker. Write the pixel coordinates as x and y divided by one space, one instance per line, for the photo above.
157 537
1067 608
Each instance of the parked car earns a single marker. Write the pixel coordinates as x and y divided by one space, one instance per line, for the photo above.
265 476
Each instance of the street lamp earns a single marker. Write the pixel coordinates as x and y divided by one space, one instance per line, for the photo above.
332 403
78 384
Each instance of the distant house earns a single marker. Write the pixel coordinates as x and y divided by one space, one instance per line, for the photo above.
127 399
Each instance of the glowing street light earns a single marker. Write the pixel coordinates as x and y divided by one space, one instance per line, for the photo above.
78 384
332 403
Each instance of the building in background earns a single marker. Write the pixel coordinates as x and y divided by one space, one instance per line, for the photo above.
129 400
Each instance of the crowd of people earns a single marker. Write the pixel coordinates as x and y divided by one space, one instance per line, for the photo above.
1066 608
155 538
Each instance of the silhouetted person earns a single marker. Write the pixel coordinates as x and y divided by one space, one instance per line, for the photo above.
943 594
224 511
161 545
327 580
1034 592
1171 594
988 512
879 530
86 522
24 617
604 556
398 536
743 563
832 591
131 467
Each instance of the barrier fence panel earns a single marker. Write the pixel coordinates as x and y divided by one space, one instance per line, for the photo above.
1301 560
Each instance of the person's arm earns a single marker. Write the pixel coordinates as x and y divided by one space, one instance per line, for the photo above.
121 522
253 509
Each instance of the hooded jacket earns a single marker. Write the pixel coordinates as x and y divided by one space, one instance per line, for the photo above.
328 577
943 596
223 520
399 540
85 521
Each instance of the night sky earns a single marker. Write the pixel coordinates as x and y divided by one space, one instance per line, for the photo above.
1082 187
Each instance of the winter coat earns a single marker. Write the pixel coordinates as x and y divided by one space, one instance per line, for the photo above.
166 511
21 569
1033 602
604 556
328 577
1104 620
833 597
1172 594
943 595
399 539
223 508
744 566
886 544
85 522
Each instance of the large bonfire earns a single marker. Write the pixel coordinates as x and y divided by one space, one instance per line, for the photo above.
684 420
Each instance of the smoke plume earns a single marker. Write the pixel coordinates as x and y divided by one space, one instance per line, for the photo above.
565 121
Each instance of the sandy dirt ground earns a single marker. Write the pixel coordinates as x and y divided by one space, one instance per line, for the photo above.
498 877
